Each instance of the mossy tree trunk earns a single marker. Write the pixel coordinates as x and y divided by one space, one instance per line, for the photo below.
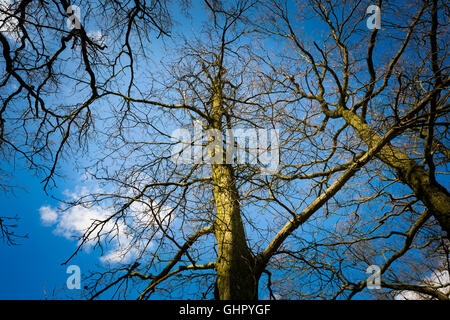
434 196
237 276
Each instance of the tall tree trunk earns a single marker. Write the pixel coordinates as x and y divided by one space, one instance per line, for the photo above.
434 196
235 264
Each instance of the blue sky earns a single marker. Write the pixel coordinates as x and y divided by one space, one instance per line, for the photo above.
33 270
34 267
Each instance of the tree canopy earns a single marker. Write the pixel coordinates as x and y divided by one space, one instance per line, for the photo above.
349 123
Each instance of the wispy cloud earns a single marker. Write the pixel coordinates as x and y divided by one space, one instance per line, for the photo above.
436 279
8 24
120 238
48 215
72 223
97 37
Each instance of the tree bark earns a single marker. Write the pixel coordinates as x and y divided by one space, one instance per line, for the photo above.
434 196
235 264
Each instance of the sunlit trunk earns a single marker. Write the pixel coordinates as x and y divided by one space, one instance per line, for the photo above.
235 265
434 196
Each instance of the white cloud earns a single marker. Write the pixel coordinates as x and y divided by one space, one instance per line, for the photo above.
118 237
48 215
144 214
77 220
120 254
97 37
437 278
8 24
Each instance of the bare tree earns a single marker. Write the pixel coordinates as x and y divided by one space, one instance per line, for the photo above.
362 122
48 55
359 93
